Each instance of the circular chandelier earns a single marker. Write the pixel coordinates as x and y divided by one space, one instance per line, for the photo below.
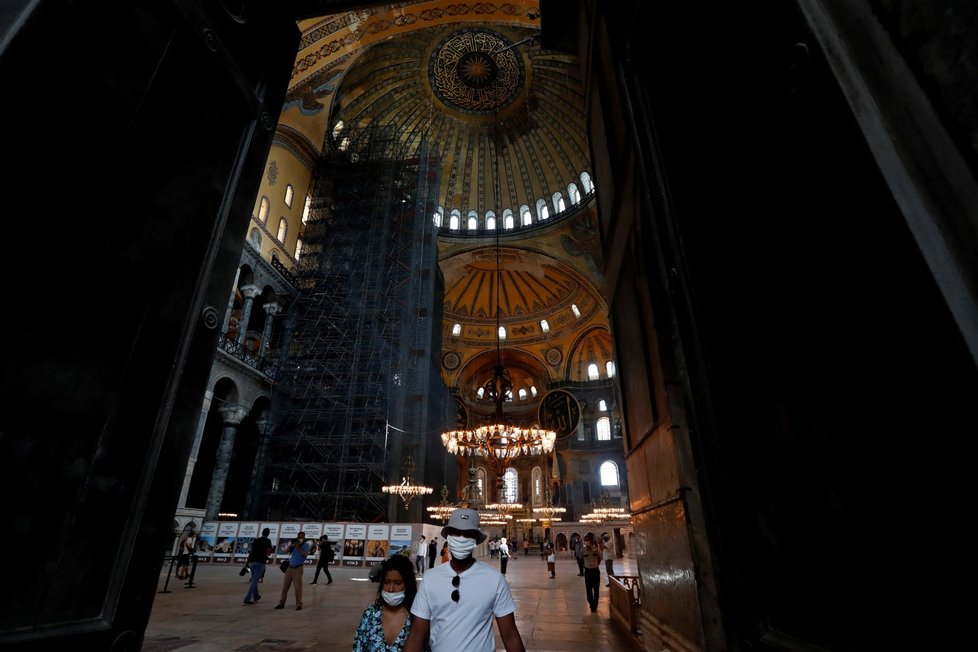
406 490
444 509
499 442
602 514
505 508
548 511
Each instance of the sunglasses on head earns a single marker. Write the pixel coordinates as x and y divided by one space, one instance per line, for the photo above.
455 582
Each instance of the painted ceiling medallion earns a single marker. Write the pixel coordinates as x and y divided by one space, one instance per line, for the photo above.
471 73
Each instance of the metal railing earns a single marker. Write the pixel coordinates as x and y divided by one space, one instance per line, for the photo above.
250 358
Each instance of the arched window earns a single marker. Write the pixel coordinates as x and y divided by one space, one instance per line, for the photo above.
526 217
255 239
537 479
586 182
305 209
344 144
289 194
573 193
558 201
283 228
473 221
592 372
522 394
575 310
481 392
544 326
508 223
298 248
502 333
456 330
603 428
274 254
511 486
453 220
490 221
337 128
480 483
533 390
609 474
439 216
602 406
263 210
609 367
542 211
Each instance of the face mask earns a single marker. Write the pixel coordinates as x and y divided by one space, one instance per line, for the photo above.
393 599
461 547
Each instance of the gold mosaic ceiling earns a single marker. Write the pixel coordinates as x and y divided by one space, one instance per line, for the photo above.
507 118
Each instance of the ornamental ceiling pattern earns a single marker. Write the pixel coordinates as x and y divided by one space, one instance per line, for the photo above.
507 118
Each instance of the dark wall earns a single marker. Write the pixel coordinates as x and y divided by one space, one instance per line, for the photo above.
828 385
135 134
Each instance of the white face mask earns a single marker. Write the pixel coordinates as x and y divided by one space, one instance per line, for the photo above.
460 547
393 599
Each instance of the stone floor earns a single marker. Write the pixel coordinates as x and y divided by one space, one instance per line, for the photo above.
552 615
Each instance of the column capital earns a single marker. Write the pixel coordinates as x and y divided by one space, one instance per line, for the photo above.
265 425
272 308
250 291
233 414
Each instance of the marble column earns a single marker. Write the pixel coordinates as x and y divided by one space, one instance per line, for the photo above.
227 314
249 292
232 416
265 427
201 422
271 309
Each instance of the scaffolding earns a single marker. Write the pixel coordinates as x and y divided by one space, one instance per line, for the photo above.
359 390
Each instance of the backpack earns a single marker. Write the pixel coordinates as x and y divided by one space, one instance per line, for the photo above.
328 553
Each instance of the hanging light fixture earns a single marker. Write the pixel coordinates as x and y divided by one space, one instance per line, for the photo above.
444 509
499 442
406 490
548 511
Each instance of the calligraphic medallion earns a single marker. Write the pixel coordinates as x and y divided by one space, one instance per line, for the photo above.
560 412
472 73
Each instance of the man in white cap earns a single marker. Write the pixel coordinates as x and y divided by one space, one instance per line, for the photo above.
457 601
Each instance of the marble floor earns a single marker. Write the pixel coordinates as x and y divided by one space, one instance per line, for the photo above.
552 614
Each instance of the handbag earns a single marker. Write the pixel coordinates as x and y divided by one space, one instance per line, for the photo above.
284 566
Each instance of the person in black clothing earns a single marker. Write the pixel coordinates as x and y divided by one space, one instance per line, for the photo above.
261 550
326 556
432 551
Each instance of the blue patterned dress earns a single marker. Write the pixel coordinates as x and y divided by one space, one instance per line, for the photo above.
370 633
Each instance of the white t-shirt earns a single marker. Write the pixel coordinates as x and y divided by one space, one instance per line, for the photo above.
466 625
422 549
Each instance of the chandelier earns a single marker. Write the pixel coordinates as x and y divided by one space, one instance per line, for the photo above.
406 490
548 511
499 442
505 508
602 514
444 509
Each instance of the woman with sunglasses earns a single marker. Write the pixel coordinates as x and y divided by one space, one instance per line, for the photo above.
385 625
458 601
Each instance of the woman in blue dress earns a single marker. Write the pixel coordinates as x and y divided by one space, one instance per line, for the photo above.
385 625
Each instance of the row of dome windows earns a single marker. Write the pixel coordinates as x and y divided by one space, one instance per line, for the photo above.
544 324
592 374
455 217
508 218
